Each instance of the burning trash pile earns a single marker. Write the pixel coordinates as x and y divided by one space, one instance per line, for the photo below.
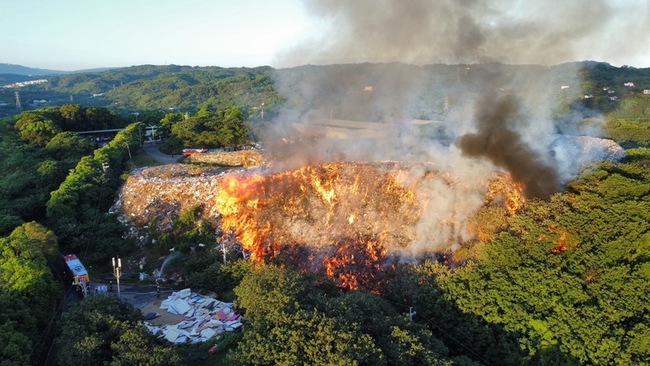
205 317
348 219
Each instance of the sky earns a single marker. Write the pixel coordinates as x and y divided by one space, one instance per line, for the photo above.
76 35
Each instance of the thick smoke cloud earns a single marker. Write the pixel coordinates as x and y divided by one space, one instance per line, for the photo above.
475 31
497 139
464 33
490 116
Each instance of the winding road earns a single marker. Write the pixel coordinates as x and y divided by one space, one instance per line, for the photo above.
152 150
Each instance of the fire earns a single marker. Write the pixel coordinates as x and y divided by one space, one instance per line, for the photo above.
505 189
563 239
356 263
345 217
315 205
326 194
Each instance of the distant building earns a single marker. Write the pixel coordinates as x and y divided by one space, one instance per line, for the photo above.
564 87
629 84
40 102
646 91
25 83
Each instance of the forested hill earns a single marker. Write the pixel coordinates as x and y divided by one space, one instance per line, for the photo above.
171 87
24 70
312 87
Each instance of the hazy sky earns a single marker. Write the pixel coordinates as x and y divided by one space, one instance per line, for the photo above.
74 35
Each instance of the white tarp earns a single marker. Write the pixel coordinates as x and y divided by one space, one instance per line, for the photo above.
205 317
179 306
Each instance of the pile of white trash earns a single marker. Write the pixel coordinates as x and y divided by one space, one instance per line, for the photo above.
205 317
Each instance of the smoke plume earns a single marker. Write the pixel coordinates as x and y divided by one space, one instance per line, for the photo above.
497 140
435 81
474 31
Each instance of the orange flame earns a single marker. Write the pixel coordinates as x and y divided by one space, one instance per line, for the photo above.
510 192
356 263
563 241
282 216
314 205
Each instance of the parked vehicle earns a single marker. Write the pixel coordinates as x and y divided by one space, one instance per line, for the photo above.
77 273
188 152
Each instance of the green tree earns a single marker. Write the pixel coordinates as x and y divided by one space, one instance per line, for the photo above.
306 338
269 292
73 116
39 133
28 291
169 120
68 144
104 330
569 276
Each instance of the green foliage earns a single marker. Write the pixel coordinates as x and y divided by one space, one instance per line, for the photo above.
25 253
104 330
291 321
629 132
28 291
8 222
401 342
15 345
308 338
268 293
569 277
74 117
32 171
638 154
68 145
39 133
207 273
633 108
209 130
76 210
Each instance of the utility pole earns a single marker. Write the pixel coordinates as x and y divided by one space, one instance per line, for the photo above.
117 272
224 250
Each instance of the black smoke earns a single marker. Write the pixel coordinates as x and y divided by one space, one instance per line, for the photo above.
497 140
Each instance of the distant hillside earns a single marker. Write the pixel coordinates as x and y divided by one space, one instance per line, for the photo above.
370 92
24 70
6 79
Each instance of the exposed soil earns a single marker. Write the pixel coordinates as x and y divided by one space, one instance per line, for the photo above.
165 317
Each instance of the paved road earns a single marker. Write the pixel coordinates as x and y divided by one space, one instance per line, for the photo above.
153 151
139 296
